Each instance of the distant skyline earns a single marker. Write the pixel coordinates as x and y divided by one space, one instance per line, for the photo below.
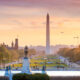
27 19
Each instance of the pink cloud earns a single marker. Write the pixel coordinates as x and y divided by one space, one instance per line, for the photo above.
62 7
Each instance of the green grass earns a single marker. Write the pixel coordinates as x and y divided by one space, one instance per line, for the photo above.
39 61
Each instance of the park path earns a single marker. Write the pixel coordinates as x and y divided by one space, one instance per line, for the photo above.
71 64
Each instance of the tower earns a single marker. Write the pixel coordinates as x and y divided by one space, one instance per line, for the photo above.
16 43
47 35
12 44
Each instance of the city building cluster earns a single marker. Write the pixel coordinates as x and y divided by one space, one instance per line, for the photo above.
14 45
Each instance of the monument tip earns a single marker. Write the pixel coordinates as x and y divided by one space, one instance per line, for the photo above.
47 14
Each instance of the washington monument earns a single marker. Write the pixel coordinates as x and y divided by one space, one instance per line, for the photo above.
47 35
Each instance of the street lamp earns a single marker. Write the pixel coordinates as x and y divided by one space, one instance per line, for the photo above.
44 66
45 61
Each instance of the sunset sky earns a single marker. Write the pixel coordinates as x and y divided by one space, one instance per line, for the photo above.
27 19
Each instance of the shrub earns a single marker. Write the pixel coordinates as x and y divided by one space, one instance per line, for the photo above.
4 78
22 76
38 76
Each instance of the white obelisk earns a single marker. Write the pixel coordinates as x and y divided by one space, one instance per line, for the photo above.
47 35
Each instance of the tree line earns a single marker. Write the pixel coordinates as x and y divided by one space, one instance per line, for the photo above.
72 53
10 55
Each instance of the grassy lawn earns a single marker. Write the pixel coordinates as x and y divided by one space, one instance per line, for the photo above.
39 62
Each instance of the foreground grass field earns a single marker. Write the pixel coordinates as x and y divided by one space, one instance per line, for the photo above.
50 61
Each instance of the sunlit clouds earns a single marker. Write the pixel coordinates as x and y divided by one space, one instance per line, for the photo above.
27 19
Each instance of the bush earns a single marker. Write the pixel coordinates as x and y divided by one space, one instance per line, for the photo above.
22 76
4 78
